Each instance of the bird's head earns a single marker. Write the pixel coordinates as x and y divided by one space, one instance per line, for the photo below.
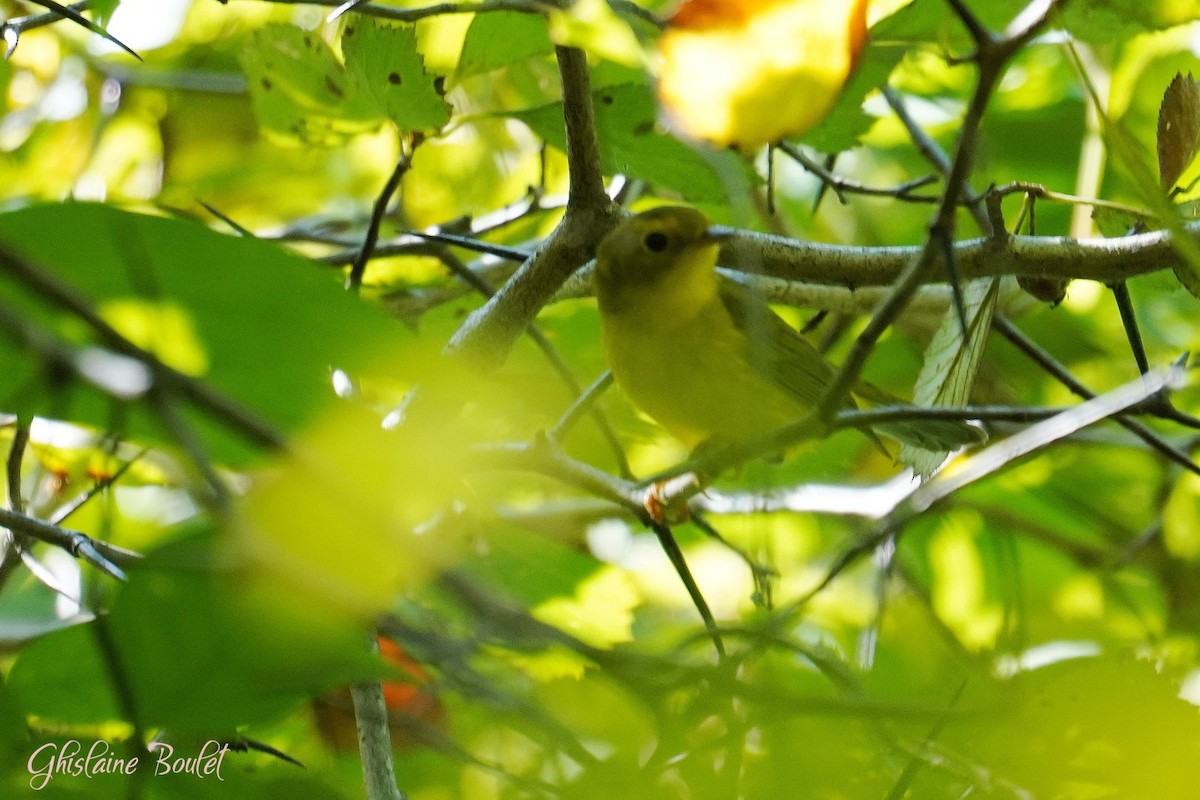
658 242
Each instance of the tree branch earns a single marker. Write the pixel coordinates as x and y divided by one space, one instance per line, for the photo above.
1097 259
486 337
101 555
374 742
437 9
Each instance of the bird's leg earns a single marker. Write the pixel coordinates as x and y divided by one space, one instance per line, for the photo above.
666 501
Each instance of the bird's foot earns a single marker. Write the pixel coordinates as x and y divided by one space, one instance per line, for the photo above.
666 501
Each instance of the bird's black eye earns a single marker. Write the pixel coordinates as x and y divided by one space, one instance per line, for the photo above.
655 242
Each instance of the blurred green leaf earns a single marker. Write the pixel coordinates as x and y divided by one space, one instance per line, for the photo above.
1181 518
271 325
1084 732
103 9
203 647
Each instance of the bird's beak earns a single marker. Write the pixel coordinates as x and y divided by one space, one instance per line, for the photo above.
719 233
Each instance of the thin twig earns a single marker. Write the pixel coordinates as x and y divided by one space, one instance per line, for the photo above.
991 60
552 355
16 542
12 29
1129 322
486 337
371 237
841 186
65 511
99 554
997 457
1060 373
544 458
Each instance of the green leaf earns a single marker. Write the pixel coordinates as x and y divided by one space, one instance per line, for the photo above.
1105 21
102 10
630 144
1077 729
300 91
203 646
1128 153
1181 519
497 40
889 39
386 65
61 677
951 363
261 326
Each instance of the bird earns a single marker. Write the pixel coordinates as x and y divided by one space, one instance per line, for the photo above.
707 358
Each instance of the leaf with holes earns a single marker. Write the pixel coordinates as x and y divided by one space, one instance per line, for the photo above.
384 62
300 92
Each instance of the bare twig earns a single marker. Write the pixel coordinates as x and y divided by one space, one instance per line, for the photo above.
991 58
841 186
99 554
1064 376
12 29
544 458
437 9
1000 455
371 237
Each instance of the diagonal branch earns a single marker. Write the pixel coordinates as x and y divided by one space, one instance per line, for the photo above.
486 337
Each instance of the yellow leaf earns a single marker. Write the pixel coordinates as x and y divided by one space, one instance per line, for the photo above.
751 72
354 515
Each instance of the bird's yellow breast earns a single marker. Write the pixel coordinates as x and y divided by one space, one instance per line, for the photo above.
683 361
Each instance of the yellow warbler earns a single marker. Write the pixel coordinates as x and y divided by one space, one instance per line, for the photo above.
750 72
707 359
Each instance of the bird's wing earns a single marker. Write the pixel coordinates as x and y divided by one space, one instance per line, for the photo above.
775 349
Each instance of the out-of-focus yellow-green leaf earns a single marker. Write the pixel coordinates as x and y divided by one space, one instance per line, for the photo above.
626 118
1108 726
499 39
959 592
592 25
1181 518
600 613
351 516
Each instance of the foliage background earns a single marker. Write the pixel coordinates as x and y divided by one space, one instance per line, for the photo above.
1035 635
